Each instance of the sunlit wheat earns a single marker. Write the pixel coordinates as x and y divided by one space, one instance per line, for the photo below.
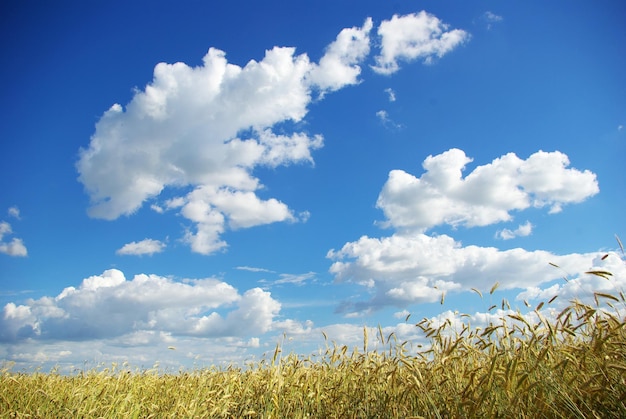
524 366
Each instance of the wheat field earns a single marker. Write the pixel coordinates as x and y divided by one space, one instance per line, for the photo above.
572 365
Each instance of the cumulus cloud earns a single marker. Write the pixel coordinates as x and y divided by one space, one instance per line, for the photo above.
485 196
412 267
207 128
14 247
582 287
522 230
182 130
339 65
110 306
412 37
416 268
143 247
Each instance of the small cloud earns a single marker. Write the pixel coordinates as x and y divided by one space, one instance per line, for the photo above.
157 209
420 36
387 122
391 93
13 248
522 230
144 247
401 314
296 279
620 128
304 216
490 18
253 269
14 212
5 228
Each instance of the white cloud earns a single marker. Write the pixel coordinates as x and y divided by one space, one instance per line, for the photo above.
253 269
411 267
5 228
143 247
417 268
414 36
183 127
254 342
145 304
401 314
211 209
522 230
338 67
14 247
492 17
296 279
383 116
486 195
14 212
391 94
186 127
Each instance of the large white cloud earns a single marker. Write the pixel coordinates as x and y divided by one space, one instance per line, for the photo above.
109 306
207 128
485 196
415 36
405 269
411 267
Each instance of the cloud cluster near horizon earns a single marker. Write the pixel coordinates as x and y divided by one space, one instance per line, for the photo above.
206 128
412 267
145 304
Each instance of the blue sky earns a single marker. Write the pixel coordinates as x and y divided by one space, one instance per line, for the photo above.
220 177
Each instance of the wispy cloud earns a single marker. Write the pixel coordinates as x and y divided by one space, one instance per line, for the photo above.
14 212
391 94
143 247
383 116
253 269
295 279
492 17
489 19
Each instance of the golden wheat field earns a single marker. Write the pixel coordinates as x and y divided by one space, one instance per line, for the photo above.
571 365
